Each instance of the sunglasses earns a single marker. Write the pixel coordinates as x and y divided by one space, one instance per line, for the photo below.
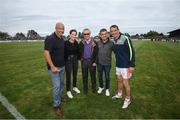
86 33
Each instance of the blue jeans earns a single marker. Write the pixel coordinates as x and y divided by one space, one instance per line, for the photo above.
106 69
58 84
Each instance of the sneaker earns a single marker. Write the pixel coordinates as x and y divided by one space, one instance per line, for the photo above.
107 92
100 90
126 103
69 94
117 96
76 90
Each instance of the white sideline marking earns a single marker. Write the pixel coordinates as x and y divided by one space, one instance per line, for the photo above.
10 108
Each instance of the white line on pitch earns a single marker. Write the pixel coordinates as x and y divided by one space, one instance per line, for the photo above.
10 107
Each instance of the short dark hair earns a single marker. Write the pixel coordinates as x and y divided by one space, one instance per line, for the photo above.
102 30
114 26
73 30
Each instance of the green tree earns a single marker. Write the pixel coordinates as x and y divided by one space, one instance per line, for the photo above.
152 35
20 36
4 35
79 35
32 35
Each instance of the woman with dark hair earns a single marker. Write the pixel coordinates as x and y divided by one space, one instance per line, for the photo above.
71 62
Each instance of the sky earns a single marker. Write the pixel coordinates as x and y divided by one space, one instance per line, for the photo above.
132 16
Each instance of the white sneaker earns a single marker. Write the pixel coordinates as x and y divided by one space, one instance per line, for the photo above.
107 92
76 89
126 103
117 96
69 94
100 90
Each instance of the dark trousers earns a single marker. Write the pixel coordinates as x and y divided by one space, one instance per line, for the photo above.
106 69
87 66
71 67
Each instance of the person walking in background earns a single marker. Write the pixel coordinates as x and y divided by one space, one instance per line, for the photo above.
125 63
105 47
71 62
88 55
54 55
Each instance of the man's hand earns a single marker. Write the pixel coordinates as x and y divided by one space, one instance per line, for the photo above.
48 59
94 44
54 69
131 69
94 64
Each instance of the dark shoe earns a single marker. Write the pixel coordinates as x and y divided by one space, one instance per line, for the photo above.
94 91
85 93
58 111
63 99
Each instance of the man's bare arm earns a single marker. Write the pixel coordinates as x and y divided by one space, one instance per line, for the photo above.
49 61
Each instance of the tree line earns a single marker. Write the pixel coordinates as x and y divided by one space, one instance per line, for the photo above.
153 35
33 35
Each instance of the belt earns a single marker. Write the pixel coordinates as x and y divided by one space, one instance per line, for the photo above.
71 57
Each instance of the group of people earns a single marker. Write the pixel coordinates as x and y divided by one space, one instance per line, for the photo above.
62 57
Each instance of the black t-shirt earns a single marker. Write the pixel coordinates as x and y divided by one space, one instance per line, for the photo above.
71 49
55 46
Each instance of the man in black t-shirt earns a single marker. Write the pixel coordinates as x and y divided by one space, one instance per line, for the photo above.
54 55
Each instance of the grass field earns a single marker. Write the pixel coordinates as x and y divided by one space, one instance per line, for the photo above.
26 83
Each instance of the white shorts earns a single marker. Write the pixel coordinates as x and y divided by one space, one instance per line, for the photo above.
124 72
